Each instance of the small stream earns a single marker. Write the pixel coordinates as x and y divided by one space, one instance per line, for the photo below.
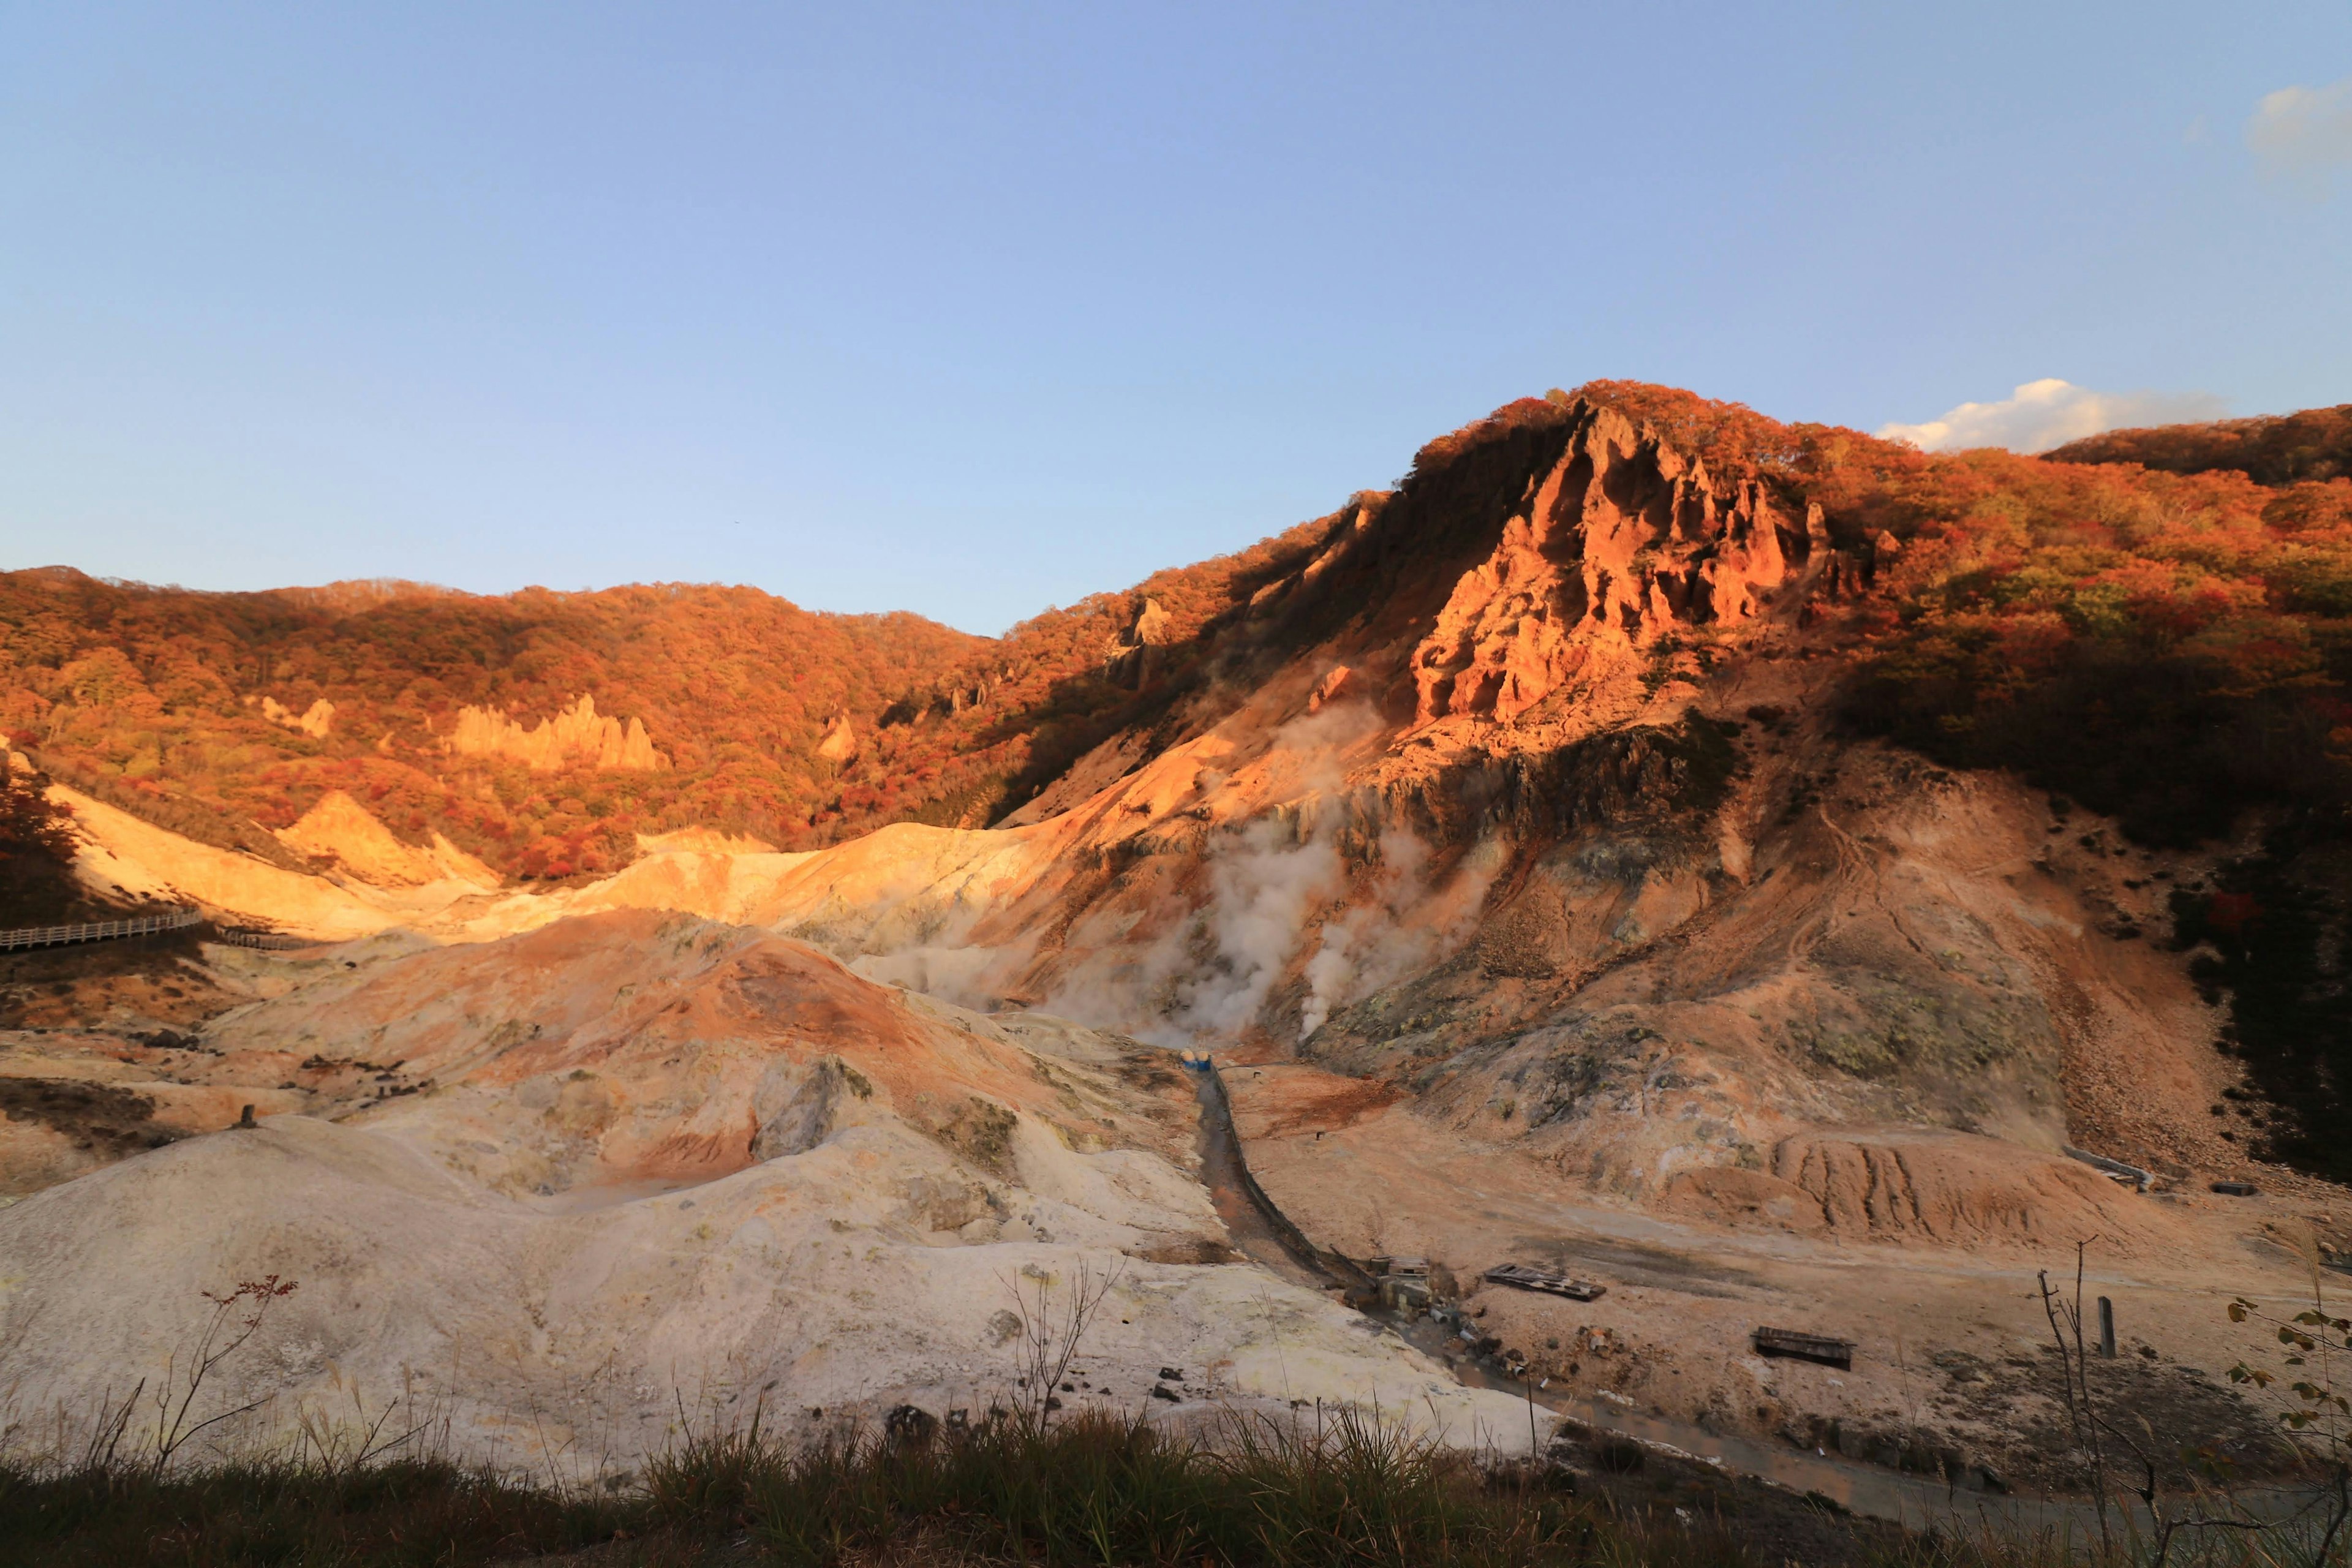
1269 1237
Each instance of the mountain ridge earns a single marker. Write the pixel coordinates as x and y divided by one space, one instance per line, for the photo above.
1534 636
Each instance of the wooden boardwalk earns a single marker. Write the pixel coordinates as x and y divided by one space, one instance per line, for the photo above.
100 931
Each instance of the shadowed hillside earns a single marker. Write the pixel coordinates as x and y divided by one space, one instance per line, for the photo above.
2313 445
225 716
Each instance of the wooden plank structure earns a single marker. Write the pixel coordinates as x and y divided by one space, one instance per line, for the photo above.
1819 1347
273 941
98 931
1521 1276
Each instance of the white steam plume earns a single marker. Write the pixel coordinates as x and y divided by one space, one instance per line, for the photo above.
1261 889
1402 928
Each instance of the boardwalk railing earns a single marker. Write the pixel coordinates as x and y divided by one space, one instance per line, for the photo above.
100 931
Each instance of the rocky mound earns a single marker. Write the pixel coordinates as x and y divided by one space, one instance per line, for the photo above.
341 832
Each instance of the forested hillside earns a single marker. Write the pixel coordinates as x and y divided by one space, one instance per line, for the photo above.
2169 646
203 711
2276 449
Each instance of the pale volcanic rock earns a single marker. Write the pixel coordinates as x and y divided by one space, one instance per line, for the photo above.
900 885
579 1176
577 736
339 829
574 1337
1153 624
638 1046
125 857
318 720
840 741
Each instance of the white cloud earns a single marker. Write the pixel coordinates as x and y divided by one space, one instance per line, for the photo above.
2049 413
2304 130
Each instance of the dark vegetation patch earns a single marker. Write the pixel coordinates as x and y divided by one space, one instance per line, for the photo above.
2196 1430
2279 923
99 1117
428 1512
2272 449
2177 746
37 850
160 976
2160 647
1643 775
982 1132
1093 1490
1743 1518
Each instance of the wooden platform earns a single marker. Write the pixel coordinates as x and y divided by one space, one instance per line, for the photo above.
1522 1278
1801 1346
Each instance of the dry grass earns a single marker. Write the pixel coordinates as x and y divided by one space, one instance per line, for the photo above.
1094 1489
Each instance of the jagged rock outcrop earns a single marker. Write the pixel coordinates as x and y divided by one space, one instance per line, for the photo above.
1134 657
840 743
1153 624
318 720
577 737
1622 542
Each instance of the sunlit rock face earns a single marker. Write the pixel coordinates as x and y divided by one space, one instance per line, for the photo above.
575 736
341 831
1622 544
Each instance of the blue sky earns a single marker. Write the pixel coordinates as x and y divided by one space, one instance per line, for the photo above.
973 310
